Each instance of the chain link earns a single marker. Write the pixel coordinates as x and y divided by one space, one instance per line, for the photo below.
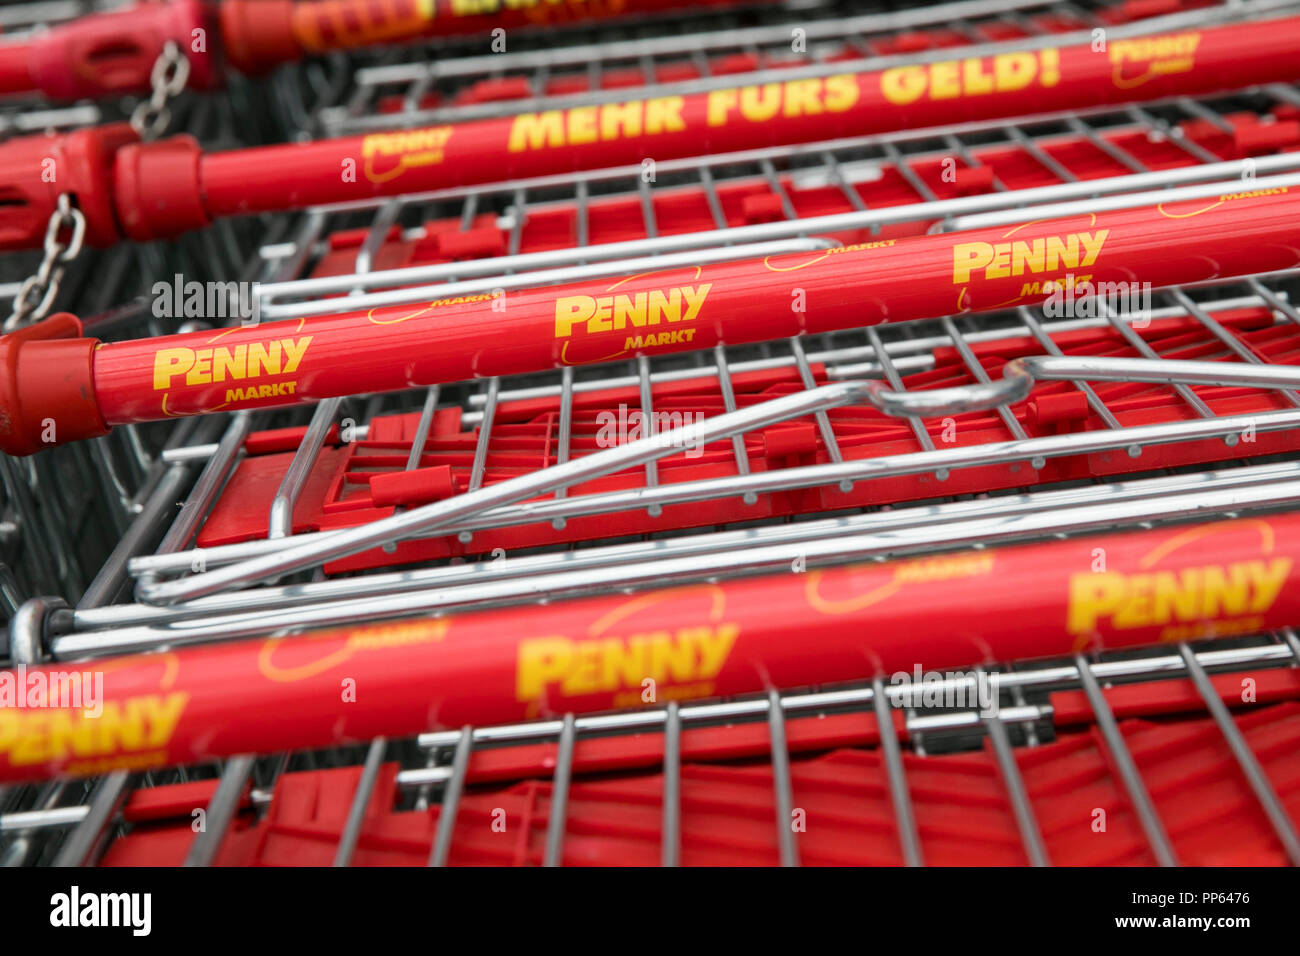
150 119
37 293
170 72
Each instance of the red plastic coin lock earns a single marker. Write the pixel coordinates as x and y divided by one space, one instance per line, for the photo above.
48 397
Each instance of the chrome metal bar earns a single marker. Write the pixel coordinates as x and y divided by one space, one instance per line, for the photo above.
557 820
786 840
697 563
890 371
903 348
1020 374
711 197
53 818
671 838
1161 665
188 453
729 403
1021 806
778 190
596 266
83 844
677 44
360 802
977 372
1273 299
1233 344
1202 112
210 481
383 221
421 438
836 173
904 524
892 761
648 426
1121 156
451 798
823 420
1151 186
1259 782
299 470
518 213
1046 160
1138 797
648 218
582 198
1106 203
1049 345
1053 446
432 516
339 122
1173 134
221 811
1141 346
909 175
112 576
566 431
1293 642
479 465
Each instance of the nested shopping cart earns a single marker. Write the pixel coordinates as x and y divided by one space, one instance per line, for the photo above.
808 489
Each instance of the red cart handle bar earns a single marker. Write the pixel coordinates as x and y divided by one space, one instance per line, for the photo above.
112 53
56 387
153 190
822 626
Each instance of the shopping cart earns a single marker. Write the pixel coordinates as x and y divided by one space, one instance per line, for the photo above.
1144 754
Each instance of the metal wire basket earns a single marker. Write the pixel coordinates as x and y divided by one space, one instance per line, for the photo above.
837 770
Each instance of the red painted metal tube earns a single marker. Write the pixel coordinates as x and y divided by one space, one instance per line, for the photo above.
168 187
589 137
449 340
735 637
112 53
260 34
109 54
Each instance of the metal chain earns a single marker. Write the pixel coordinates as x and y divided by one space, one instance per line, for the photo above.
170 71
36 294
150 119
